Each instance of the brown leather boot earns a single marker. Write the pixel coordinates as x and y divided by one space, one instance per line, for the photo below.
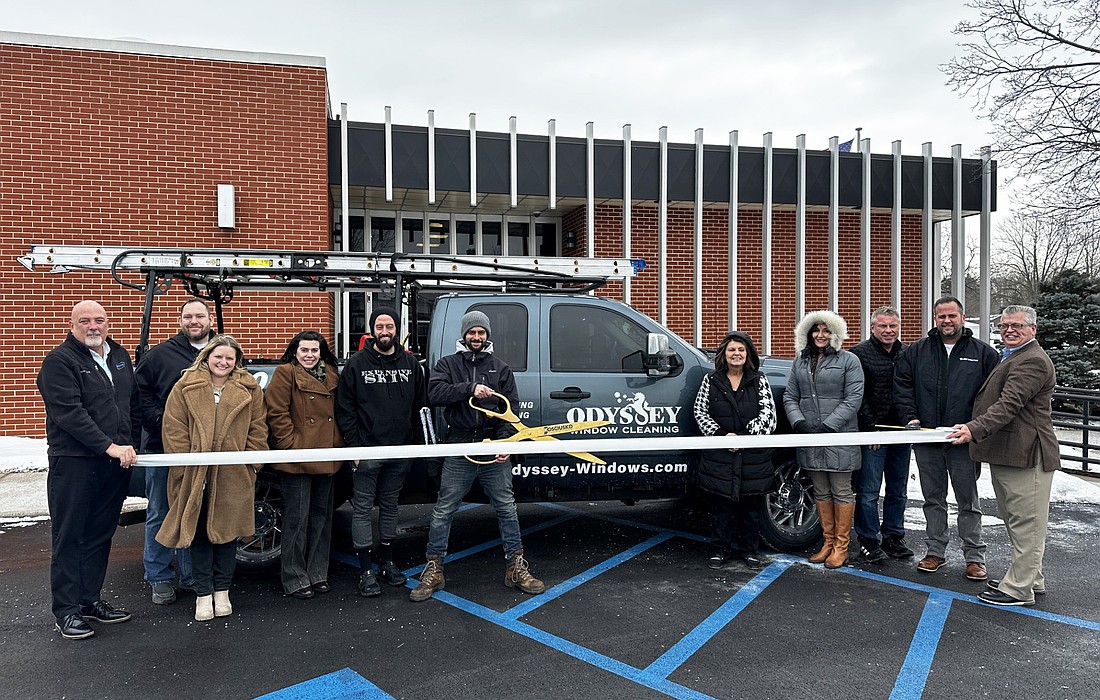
825 512
517 575
842 519
431 580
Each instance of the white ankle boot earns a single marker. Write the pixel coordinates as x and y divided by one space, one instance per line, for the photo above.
222 606
204 608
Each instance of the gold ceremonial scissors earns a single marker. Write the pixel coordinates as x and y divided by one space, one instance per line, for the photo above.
539 432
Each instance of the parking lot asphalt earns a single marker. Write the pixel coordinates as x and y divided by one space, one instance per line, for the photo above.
631 611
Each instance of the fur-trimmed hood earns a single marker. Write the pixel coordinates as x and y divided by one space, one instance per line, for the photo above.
832 321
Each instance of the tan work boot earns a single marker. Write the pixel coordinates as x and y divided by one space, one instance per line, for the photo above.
431 580
519 576
842 524
825 511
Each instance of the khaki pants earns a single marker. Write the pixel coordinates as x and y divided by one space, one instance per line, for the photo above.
1023 499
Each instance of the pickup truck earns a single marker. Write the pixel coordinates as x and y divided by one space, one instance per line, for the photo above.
577 358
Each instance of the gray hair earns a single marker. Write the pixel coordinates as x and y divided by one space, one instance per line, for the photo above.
885 311
1027 311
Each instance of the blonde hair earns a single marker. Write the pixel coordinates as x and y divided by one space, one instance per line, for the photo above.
202 360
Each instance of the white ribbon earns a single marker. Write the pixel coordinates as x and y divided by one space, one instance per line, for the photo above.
529 447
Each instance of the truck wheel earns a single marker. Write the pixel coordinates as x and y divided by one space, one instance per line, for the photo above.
788 521
265 545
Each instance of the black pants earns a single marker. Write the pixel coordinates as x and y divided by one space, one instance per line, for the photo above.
737 523
85 495
212 565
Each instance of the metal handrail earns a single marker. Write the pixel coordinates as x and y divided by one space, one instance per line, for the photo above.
1079 409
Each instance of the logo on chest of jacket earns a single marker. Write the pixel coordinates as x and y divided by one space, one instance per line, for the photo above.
386 376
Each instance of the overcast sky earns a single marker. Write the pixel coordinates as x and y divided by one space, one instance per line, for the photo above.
790 67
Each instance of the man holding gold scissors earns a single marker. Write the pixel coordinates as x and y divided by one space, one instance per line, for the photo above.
474 377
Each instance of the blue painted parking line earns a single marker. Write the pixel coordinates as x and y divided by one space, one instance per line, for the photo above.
564 587
922 650
629 523
694 640
344 684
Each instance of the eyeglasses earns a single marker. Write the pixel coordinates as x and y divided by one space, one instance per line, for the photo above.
1013 326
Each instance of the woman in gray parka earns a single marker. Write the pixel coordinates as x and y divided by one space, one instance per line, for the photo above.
823 395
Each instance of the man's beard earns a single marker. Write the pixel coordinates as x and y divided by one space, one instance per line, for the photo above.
384 344
203 334
93 342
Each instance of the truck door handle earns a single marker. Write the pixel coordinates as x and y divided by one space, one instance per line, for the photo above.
571 393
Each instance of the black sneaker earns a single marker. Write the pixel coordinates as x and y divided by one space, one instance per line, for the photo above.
102 611
368 585
389 573
74 627
871 550
895 547
752 560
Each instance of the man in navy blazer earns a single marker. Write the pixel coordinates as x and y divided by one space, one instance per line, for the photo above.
1013 431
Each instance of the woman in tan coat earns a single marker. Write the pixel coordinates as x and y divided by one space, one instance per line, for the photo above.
216 406
301 399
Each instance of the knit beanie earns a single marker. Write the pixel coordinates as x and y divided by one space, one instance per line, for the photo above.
382 311
473 319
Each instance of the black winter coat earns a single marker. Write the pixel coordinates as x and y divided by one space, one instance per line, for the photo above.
157 373
937 389
879 407
86 411
452 383
748 410
379 398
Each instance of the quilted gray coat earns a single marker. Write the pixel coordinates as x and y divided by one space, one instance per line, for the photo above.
827 399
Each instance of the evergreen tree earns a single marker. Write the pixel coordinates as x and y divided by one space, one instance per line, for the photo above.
1069 327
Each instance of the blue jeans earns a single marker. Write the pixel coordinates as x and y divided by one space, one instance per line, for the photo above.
158 558
889 463
458 476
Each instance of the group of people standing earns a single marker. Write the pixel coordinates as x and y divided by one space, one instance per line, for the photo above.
998 407
192 393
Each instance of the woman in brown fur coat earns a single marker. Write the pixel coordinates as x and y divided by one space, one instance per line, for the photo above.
216 406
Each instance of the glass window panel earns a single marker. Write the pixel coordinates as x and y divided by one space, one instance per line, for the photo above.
546 240
439 236
412 235
591 339
357 241
509 322
466 237
492 242
517 238
382 234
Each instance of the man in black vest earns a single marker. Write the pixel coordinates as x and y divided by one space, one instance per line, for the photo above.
92 425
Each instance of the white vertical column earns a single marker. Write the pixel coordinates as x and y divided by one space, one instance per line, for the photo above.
697 230
473 163
342 300
513 167
662 229
985 235
590 189
389 154
895 232
431 158
958 232
800 231
766 252
865 241
551 130
735 159
834 223
627 210
930 259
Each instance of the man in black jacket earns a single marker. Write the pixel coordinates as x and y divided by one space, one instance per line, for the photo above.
157 373
92 425
879 355
474 372
378 402
936 382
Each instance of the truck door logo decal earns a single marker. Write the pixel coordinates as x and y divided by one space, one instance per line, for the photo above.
632 414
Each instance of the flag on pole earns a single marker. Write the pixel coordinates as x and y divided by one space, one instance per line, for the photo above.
845 147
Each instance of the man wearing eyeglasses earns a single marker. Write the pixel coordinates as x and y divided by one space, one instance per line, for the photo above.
935 384
1013 431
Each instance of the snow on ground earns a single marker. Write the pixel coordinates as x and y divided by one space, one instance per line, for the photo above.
23 469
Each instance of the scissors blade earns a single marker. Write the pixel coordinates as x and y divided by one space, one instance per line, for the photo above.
549 431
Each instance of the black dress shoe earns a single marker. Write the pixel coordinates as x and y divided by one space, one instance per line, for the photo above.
102 611
74 627
1002 599
303 593
995 584
752 560
321 587
718 559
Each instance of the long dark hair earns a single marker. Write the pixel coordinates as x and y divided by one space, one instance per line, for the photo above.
291 353
752 359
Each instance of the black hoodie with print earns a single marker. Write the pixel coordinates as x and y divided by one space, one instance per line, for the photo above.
379 398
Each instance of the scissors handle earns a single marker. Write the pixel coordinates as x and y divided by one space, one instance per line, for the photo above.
506 415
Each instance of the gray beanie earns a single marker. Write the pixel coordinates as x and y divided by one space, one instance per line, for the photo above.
472 319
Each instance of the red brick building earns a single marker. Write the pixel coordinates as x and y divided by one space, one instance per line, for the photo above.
124 144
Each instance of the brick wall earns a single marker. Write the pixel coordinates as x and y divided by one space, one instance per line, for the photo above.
119 149
681 256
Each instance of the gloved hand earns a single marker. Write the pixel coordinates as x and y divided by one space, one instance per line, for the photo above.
822 428
799 426
913 426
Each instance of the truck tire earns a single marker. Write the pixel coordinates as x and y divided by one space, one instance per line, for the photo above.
265 545
789 521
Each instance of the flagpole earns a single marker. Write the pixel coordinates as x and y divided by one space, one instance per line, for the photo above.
859 129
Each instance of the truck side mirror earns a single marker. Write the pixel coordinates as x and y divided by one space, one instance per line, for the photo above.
658 358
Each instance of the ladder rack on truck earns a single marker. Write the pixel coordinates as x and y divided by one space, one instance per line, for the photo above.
214 273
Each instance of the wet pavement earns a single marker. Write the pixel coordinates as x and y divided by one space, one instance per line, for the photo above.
631 611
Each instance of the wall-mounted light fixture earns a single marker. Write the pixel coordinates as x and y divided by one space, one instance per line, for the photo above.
227 206
569 239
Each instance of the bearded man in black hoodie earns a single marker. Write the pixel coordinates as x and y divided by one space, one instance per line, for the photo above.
378 402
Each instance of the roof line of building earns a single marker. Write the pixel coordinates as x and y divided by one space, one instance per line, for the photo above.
150 49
